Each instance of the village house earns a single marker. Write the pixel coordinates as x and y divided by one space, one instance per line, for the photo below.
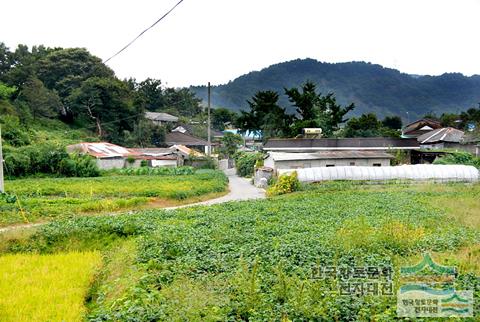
420 127
334 152
286 160
111 156
161 118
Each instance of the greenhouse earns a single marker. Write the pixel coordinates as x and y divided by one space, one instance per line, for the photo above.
420 172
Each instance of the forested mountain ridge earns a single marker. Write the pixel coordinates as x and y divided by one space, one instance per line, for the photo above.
371 87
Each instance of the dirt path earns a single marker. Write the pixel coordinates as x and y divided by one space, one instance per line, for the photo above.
240 189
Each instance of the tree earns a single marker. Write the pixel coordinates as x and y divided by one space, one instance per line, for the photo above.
316 110
151 90
41 101
221 116
307 102
368 125
392 122
107 103
265 117
230 143
450 120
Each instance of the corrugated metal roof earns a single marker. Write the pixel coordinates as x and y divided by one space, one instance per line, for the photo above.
340 144
105 150
419 124
324 155
446 134
162 117
99 149
177 138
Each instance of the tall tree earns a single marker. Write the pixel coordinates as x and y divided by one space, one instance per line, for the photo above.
392 122
316 110
265 117
41 101
222 116
107 104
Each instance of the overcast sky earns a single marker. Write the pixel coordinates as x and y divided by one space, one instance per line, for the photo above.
219 40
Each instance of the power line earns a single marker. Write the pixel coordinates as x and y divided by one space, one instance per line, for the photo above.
131 42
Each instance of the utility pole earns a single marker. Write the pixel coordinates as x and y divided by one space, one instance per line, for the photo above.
2 189
209 151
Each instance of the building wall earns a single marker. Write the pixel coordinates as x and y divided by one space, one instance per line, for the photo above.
300 164
450 145
110 163
164 163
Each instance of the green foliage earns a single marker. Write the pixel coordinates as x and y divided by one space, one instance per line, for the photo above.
367 125
42 101
254 260
158 171
230 143
12 132
459 158
77 165
392 122
43 199
316 110
6 91
50 159
221 117
286 183
245 162
265 117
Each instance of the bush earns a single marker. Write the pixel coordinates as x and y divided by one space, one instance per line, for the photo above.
245 162
285 184
464 158
48 159
160 171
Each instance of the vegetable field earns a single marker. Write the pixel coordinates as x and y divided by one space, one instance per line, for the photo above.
44 199
255 260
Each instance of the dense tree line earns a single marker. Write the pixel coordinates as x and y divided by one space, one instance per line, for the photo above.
77 88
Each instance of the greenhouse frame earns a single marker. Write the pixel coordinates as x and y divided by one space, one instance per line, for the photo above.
419 172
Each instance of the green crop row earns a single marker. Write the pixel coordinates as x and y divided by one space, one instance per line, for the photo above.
253 260
43 199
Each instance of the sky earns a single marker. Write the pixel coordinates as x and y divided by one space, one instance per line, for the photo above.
219 40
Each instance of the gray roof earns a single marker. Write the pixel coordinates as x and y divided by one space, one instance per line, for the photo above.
446 134
340 144
325 155
178 138
162 117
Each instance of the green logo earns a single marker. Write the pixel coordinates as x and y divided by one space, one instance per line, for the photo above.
419 299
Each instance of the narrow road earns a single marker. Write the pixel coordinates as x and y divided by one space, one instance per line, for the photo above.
240 189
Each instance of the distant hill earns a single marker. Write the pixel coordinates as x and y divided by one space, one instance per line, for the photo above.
371 87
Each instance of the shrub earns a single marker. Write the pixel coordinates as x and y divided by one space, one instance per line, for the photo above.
47 159
286 183
245 162
459 158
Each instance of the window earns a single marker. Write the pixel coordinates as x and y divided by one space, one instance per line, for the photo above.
352 163
377 164
330 165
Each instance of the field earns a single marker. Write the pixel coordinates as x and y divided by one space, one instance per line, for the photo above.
44 199
46 287
255 260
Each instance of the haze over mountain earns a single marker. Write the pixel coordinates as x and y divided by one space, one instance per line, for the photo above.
371 87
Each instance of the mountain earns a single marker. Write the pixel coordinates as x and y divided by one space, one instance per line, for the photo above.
371 87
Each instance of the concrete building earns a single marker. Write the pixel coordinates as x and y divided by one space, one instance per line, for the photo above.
301 160
110 156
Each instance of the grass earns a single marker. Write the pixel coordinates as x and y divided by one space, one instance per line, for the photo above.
47 198
253 260
46 287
